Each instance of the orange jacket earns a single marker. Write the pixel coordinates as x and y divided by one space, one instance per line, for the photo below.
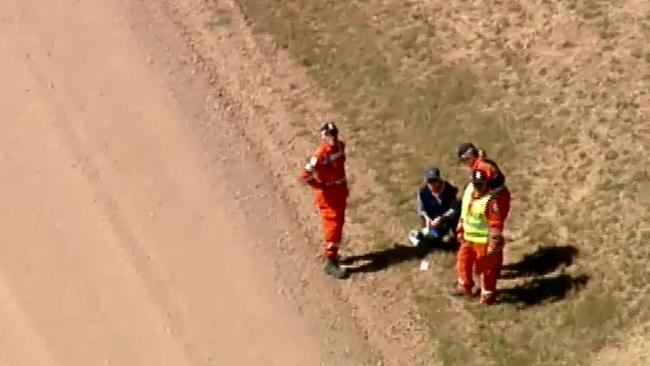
326 168
490 170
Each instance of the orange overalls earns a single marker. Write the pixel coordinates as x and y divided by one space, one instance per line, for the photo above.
325 172
496 213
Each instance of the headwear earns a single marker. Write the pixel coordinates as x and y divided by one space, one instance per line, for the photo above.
330 129
465 149
432 174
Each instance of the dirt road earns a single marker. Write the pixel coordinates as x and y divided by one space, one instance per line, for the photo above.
120 245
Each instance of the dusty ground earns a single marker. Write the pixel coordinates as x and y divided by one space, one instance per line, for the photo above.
139 227
635 351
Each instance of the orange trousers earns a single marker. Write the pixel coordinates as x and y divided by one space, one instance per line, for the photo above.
332 206
468 253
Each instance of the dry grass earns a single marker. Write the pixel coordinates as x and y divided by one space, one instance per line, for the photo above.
558 93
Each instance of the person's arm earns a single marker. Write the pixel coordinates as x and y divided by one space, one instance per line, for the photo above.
420 205
459 225
459 230
308 173
496 224
454 205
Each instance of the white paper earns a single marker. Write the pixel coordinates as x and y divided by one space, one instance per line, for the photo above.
424 266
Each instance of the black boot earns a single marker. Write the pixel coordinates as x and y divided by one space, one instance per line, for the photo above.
333 268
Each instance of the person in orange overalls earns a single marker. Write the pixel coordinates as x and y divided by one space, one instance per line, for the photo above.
476 160
325 172
480 232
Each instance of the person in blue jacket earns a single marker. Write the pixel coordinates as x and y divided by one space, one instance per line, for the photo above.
438 206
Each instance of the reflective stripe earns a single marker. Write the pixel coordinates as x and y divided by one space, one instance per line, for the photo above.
318 162
327 159
310 170
335 156
313 161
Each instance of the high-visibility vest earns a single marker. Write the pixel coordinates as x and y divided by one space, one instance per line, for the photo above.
473 213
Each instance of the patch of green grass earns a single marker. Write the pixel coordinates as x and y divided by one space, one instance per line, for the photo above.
503 352
452 349
594 310
452 352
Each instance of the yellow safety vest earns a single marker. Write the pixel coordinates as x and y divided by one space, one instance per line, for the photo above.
475 223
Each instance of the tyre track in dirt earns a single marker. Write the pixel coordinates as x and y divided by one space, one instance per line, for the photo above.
62 286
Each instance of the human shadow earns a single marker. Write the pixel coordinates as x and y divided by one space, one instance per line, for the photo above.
382 259
539 290
544 260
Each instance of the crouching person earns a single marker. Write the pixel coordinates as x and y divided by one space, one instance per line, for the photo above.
438 207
